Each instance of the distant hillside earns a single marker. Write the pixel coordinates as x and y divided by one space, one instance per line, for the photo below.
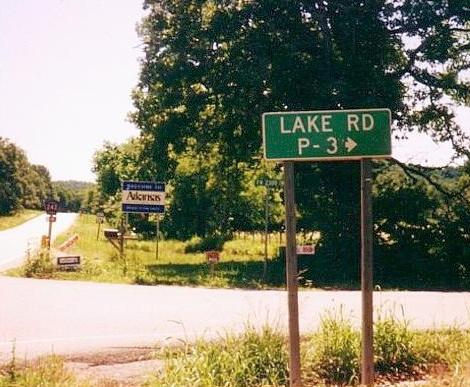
71 194
73 185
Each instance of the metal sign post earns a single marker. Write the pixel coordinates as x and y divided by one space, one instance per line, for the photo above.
266 232
268 184
291 274
367 359
49 233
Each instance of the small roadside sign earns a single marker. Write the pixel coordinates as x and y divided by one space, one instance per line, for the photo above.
51 206
270 183
68 261
212 256
99 217
51 218
143 197
306 250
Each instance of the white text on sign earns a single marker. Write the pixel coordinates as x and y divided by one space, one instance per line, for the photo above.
318 123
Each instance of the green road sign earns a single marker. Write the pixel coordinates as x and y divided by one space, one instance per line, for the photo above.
327 135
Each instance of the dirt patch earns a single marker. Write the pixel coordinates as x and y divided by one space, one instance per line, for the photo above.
118 367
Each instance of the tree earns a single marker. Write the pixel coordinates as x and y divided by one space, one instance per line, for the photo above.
22 185
10 186
211 68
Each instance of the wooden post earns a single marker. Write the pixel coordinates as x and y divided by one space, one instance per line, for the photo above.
98 232
122 231
157 237
291 274
49 233
367 358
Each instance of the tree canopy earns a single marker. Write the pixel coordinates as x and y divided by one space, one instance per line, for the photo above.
211 68
22 185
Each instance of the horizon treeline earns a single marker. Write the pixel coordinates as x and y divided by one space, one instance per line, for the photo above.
24 185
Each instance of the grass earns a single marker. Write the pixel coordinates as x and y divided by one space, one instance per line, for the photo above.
250 360
49 371
241 263
21 217
330 356
258 358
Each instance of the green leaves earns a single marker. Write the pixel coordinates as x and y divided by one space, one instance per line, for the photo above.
21 183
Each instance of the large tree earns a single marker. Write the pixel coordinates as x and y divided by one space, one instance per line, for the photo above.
211 68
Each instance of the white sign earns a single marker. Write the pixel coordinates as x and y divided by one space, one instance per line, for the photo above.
143 197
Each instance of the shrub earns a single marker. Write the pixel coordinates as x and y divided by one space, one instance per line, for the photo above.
211 242
39 266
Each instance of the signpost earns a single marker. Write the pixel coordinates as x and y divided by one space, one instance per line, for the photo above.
50 206
100 221
327 136
144 197
213 257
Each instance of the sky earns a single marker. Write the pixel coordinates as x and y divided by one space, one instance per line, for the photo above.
67 69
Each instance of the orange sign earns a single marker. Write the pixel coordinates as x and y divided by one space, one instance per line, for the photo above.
212 256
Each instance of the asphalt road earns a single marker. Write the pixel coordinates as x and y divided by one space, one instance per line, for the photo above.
38 316
45 316
15 242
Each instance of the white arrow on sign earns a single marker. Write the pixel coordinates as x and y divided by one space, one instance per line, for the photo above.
350 144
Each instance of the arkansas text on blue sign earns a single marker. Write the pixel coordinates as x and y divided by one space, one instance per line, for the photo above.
143 197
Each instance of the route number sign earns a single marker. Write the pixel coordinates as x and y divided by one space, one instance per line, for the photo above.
327 135
51 206
143 197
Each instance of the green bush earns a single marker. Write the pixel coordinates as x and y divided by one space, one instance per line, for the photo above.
211 242
39 266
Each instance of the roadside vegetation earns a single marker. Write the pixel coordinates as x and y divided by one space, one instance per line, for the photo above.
9 221
258 358
179 263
